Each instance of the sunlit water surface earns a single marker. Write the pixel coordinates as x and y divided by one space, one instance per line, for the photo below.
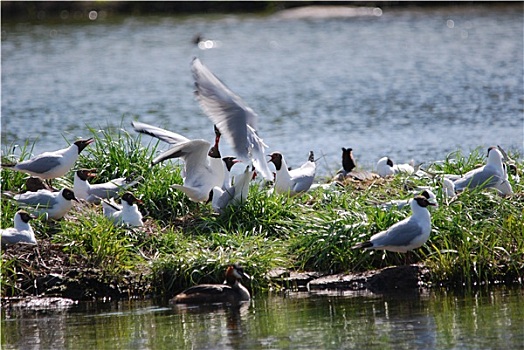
410 84
487 319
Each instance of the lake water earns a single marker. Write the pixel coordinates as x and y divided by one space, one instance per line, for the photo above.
410 84
486 319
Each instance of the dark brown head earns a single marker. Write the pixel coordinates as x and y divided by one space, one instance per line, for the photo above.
81 144
130 199
25 216
85 174
69 194
214 152
230 161
34 184
311 157
423 201
276 158
348 162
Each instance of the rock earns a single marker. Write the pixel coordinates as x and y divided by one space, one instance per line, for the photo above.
386 280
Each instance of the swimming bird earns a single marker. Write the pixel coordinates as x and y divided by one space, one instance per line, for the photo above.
232 116
54 205
232 291
233 194
405 235
490 175
293 181
94 193
385 167
203 167
50 165
125 214
22 231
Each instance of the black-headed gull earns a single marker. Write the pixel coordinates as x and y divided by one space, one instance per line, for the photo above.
22 232
293 181
401 203
54 205
405 235
94 193
203 167
492 174
386 167
233 194
50 165
125 214
232 116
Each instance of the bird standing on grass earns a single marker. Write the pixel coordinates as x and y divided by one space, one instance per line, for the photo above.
50 165
125 214
293 181
94 193
405 235
53 205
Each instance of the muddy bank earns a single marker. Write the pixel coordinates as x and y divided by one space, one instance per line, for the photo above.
46 271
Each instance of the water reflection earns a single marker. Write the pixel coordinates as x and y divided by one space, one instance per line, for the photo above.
438 319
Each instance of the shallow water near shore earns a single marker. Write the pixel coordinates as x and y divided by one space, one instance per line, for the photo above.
483 319
410 84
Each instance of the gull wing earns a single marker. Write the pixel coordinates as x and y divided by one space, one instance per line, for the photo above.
41 198
231 115
485 176
159 133
40 164
400 234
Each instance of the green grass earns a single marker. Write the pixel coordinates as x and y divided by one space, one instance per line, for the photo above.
477 238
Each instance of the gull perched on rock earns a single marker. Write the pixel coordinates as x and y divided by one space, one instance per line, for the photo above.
203 166
22 231
405 235
54 205
125 214
293 181
50 165
232 116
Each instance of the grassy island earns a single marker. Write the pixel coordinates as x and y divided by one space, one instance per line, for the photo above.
477 237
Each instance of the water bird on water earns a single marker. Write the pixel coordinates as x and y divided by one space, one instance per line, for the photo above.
405 235
232 116
293 181
50 165
203 166
22 232
125 214
54 205
231 291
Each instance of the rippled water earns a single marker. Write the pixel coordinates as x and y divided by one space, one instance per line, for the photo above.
411 84
487 319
